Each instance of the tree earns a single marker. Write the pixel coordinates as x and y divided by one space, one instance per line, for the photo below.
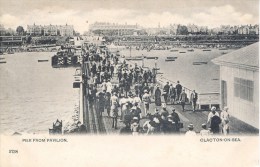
20 30
29 39
182 30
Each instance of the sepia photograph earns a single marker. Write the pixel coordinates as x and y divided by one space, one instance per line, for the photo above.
123 71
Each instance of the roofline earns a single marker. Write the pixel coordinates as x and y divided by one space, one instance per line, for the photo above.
229 64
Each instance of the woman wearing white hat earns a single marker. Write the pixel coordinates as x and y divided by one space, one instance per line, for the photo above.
146 100
214 120
212 113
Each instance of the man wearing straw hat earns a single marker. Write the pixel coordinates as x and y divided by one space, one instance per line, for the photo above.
190 132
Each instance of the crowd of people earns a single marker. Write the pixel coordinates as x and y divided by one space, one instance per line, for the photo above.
217 123
128 99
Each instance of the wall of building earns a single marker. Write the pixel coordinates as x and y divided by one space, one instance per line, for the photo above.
54 30
244 110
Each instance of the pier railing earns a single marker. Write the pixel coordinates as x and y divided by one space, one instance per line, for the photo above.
205 100
162 81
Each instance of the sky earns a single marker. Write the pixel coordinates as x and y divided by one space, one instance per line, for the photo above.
146 13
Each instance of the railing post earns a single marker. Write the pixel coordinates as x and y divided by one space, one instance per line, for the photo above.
81 108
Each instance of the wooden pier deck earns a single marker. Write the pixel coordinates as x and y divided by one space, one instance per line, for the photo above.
103 125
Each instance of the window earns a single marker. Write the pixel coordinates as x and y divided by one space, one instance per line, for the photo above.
244 89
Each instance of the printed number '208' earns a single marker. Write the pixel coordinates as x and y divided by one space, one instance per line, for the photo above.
13 151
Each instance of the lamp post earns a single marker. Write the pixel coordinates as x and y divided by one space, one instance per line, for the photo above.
155 65
142 60
130 51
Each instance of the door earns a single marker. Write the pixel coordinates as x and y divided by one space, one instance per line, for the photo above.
223 93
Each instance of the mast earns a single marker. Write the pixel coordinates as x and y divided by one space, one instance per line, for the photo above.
130 51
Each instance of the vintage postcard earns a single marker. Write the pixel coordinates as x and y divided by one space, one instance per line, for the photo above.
129 83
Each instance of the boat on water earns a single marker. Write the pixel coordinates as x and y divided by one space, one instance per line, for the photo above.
200 63
190 50
206 50
171 58
133 58
43 60
2 62
222 49
153 57
65 58
182 52
174 50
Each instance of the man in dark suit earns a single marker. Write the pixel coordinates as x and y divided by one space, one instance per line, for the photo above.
176 119
178 90
166 90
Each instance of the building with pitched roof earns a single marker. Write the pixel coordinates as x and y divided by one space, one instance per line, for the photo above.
239 83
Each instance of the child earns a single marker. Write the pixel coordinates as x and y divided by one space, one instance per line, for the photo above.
135 126
204 131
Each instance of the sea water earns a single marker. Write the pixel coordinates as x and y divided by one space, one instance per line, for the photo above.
33 95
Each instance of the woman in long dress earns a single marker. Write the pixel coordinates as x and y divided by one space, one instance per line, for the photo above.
158 96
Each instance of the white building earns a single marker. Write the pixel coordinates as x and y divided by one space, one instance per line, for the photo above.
35 29
66 30
2 29
54 30
239 83
50 30
113 28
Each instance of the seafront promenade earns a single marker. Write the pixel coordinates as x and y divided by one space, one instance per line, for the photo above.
97 124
